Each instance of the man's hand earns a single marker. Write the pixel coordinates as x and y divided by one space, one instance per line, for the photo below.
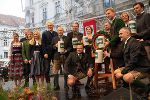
119 75
89 73
71 80
45 55
140 40
65 50
25 61
71 77
81 41
106 54
56 45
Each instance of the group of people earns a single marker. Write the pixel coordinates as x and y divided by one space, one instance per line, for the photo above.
130 52
32 55
134 53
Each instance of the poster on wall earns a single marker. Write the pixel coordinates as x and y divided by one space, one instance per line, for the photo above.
91 23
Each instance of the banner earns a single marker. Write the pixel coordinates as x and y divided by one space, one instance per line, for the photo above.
91 23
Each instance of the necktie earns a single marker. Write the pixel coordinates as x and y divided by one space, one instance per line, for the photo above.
125 45
80 56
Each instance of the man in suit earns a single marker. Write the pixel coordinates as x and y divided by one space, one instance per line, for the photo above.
47 37
136 65
135 58
75 34
78 66
115 43
142 26
25 56
60 57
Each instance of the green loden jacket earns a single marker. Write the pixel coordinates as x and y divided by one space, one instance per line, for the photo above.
116 25
25 49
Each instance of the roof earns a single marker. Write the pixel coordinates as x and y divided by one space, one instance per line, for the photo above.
11 20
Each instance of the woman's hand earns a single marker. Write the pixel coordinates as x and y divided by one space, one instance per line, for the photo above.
9 61
30 61
89 73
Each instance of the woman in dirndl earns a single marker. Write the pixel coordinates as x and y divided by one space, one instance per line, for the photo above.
88 48
15 68
36 58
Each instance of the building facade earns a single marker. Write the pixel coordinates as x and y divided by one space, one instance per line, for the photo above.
8 25
64 12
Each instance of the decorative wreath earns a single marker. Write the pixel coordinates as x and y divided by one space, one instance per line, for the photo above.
100 33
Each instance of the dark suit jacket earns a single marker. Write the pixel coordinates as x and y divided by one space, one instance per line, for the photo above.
115 43
143 26
47 37
67 46
73 62
135 56
71 35
79 36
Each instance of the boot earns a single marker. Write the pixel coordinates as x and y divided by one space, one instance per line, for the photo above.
34 81
124 84
89 88
61 71
56 84
65 81
47 79
26 81
140 88
76 91
88 83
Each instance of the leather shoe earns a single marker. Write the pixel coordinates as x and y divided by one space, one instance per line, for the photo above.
66 87
57 88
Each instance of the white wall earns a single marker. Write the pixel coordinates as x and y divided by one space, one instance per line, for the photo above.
120 1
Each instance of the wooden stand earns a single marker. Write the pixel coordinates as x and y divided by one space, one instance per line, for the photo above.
105 75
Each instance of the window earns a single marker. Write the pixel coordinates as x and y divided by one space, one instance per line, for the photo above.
31 2
1 56
5 54
32 20
109 3
44 14
5 43
57 7
106 3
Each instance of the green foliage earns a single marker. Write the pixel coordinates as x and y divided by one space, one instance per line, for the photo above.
3 95
107 35
22 92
